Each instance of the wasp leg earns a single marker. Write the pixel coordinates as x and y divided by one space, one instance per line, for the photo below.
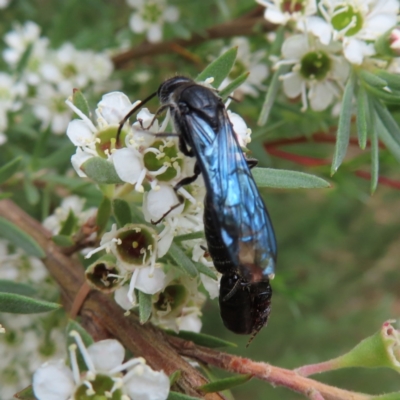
183 182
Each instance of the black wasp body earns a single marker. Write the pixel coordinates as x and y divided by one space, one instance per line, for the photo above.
238 230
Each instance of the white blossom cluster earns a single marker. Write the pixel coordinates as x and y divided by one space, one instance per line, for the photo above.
41 77
27 341
247 61
150 167
105 375
149 17
330 37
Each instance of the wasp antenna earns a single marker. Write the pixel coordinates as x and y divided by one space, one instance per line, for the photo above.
130 113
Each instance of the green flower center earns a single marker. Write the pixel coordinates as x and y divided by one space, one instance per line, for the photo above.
107 141
292 6
347 19
102 386
173 296
152 12
168 156
136 245
69 71
315 65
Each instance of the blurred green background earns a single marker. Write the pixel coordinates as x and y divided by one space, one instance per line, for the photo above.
337 278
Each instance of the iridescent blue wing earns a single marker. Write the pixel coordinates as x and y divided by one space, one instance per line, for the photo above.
242 218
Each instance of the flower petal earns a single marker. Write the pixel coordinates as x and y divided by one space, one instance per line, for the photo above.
53 381
106 354
150 282
128 164
142 383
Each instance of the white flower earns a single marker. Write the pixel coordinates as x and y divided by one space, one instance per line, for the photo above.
253 62
316 69
95 141
18 41
72 68
358 23
72 204
282 11
49 107
4 3
104 378
10 92
135 249
240 128
149 17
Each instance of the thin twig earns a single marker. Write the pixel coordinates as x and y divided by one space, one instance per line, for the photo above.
244 26
274 375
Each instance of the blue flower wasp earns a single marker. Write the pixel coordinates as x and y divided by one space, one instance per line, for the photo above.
238 229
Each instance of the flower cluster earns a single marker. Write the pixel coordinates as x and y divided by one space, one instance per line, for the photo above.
132 257
104 375
331 37
149 17
26 343
247 61
47 77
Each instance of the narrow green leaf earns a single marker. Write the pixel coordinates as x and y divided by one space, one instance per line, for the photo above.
7 286
145 307
182 260
285 179
180 396
20 239
69 225
226 91
122 212
276 46
31 192
189 236
387 119
39 148
25 394
372 79
24 59
387 139
362 116
18 304
101 171
374 154
103 214
202 339
271 94
137 215
392 97
63 240
79 100
393 80
203 269
224 384
86 338
9 169
343 132
219 69
174 377
72 184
